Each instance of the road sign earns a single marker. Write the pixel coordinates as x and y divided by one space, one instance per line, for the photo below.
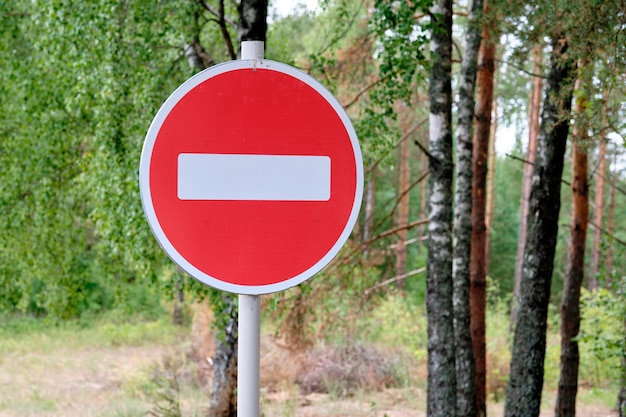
251 176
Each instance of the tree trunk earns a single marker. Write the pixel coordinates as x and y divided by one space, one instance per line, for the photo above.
252 25
491 184
523 397
465 363
368 216
441 396
179 299
608 259
533 128
575 269
621 397
598 200
478 282
403 209
223 391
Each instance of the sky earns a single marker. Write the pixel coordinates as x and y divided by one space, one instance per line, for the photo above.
284 7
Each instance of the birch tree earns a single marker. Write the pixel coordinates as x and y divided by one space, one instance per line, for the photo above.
465 362
441 360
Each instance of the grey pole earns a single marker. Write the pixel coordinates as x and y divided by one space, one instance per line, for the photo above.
249 343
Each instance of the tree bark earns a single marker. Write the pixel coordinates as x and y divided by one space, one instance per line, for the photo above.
403 208
478 259
598 211
465 362
608 259
575 269
368 216
491 184
252 25
621 397
223 390
533 128
179 299
441 396
523 397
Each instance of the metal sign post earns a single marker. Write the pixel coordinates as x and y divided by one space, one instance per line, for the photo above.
249 338
251 179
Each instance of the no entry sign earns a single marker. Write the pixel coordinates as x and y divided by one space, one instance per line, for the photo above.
251 176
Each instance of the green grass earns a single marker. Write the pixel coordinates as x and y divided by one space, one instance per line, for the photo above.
25 334
598 396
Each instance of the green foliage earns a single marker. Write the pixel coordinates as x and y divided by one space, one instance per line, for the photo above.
504 231
402 56
399 47
602 337
397 321
86 80
498 342
286 37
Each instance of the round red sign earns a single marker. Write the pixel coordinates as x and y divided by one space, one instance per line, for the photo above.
251 176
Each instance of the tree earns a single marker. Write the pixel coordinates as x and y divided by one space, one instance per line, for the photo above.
78 131
465 362
523 397
533 133
478 255
404 184
598 211
441 360
575 268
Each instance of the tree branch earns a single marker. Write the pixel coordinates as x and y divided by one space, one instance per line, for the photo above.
394 279
397 229
521 69
510 155
423 149
221 22
15 14
398 198
403 138
215 13
359 248
609 234
360 93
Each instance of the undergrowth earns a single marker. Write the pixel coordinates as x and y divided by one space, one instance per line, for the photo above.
384 346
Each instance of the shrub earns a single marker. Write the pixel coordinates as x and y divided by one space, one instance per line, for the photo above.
342 370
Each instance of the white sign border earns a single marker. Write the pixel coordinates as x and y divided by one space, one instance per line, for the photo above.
144 176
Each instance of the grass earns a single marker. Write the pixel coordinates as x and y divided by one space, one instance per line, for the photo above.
115 367
22 334
71 369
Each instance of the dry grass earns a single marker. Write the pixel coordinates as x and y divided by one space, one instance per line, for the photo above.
70 382
343 370
84 373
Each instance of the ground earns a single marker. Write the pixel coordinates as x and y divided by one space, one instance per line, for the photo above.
123 375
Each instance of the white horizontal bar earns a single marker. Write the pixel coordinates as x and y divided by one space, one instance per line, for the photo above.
253 177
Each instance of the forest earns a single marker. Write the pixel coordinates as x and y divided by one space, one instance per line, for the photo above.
486 272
